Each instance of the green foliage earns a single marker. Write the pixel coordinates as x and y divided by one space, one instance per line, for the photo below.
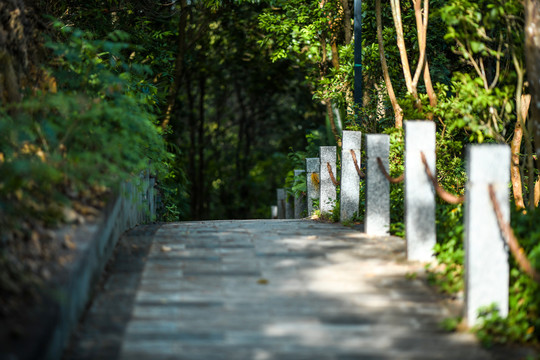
525 225
295 26
311 35
494 329
447 276
450 324
522 323
237 113
477 24
95 129
336 85
397 193
397 229
299 185
475 54
297 160
483 113
174 199
488 35
333 214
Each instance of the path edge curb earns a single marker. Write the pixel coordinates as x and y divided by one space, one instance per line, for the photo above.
50 325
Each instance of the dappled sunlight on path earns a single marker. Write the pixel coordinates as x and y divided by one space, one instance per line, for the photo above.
284 290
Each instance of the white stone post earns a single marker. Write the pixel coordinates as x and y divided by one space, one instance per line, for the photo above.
486 255
300 205
350 180
328 195
273 212
281 198
313 166
377 216
419 192
289 205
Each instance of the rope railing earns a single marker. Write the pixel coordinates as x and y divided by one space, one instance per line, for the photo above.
387 176
329 167
421 204
443 194
358 170
516 250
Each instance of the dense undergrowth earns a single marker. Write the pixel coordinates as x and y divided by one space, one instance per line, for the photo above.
65 147
91 127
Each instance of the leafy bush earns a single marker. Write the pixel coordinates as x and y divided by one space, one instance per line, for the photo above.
522 323
92 126
448 275
397 191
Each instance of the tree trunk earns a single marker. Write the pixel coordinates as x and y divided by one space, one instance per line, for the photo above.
242 153
21 50
328 102
396 14
532 56
380 109
522 106
427 75
335 55
179 64
201 167
537 192
347 27
429 86
9 83
332 120
421 29
421 16
398 112
515 175
192 170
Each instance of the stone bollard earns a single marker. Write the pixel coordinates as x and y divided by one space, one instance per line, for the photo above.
273 211
350 180
377 217
289 205
486 255
313 166
281 198
300 204
419 192
328 193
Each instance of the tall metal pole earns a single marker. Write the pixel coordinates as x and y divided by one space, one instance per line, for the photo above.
358 54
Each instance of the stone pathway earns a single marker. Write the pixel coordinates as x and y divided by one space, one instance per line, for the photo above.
276 289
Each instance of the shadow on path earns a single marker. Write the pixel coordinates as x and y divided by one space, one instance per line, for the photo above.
265 290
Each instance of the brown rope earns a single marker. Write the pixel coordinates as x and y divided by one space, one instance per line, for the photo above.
511 240
329 167
360 173
387 176
443 194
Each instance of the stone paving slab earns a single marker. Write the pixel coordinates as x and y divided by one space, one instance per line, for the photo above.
280 289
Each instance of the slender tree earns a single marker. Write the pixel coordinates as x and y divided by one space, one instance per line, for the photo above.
532 55
398 112
422 68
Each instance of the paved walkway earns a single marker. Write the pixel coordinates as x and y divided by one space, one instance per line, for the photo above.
279 289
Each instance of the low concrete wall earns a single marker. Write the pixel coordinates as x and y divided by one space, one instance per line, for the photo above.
134 205
64 301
